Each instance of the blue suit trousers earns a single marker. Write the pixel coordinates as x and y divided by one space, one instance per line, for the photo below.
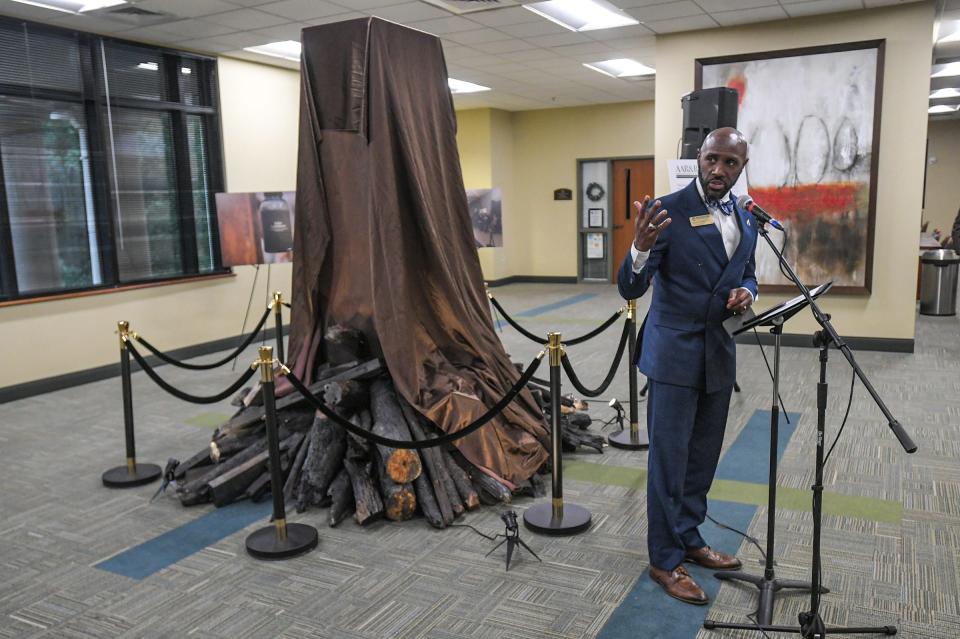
685 427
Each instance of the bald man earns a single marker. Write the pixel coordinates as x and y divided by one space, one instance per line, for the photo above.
696 246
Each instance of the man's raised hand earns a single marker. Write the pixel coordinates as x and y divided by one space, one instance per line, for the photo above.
649 222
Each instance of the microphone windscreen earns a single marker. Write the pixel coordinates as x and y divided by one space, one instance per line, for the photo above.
744 201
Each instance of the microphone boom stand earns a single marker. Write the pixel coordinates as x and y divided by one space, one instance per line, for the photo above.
811 623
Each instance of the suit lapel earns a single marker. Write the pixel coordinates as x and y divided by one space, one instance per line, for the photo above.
708 232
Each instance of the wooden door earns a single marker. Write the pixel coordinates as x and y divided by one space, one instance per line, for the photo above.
632 179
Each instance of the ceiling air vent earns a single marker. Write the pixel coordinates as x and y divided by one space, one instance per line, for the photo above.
134 11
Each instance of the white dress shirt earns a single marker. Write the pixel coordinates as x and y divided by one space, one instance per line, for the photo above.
726 224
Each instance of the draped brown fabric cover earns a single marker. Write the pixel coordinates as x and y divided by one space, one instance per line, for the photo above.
383 237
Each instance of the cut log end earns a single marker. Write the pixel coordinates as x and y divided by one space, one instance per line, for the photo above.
404 466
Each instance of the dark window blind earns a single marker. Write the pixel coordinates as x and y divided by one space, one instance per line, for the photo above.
106 170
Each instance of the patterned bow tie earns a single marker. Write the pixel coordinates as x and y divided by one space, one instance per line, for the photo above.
725 206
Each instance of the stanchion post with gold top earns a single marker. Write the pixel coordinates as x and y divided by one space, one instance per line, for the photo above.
277 305
131 474
556 517
282 540
633 438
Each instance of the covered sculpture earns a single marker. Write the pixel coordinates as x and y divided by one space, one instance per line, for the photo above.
383 239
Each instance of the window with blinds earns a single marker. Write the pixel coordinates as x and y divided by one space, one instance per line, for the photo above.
109 159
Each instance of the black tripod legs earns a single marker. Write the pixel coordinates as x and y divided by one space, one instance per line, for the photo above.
767 589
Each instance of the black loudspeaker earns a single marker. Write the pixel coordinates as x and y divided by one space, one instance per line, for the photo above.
704 111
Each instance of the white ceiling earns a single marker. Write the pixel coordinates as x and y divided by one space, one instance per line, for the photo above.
528 61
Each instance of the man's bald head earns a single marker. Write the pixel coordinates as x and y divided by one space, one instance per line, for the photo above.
722 158
727 137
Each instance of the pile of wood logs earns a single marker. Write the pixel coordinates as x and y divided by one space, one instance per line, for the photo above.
325 466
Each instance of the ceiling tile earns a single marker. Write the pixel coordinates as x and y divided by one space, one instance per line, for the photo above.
244 19
885 3
503 17
733 5
442 26
154 34
559 39
186 8
821 6
407 12
530 29
96 23
666 11
532 54
289 31
364 5
590 50
196 28
744 16
682 24
340 17
238 40
620 33
474 37
301 9
205 45
504 46
631 4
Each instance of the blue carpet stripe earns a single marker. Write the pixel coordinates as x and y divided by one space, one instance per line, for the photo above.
647 611
160 552
747 459
546 308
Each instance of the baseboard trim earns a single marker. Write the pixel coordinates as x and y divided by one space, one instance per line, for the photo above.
539 279
883 344
86 376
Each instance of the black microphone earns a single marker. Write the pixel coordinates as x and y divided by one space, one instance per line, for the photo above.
746 202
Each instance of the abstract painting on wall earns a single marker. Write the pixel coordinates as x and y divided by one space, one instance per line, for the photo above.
812 117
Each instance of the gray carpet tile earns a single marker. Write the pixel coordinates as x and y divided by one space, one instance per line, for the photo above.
410 581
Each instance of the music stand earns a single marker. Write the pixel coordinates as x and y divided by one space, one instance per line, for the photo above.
774 317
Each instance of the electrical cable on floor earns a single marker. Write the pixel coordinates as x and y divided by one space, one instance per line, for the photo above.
753 617
473 529
752 540
853 380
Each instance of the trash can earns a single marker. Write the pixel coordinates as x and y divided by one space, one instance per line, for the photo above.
938 282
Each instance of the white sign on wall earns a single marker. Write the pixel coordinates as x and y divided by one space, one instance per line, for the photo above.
682 171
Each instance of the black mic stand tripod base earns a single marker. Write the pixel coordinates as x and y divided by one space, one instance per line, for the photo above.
811 623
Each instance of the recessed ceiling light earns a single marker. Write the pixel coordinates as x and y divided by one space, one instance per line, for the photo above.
620 68
148 66
582 15
946 70
943 108
287 49
945 93
72 6
460 86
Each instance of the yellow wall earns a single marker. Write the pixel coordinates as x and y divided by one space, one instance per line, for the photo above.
890 311
259 107
943 175
529 154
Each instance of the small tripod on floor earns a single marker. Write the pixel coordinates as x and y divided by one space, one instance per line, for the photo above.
511 537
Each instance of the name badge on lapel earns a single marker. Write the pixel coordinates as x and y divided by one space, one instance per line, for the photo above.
701 220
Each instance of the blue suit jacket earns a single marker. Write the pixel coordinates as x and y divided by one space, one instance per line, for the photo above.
682 340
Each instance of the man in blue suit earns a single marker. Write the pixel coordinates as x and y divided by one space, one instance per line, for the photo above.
700 261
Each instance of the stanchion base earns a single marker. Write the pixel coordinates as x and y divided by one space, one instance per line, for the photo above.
624 439
264 544
120 477
539 518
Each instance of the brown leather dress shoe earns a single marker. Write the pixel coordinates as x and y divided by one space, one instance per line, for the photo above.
710 558
680 585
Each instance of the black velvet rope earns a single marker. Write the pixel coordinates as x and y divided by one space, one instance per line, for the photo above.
575 381
426 443
541 340
179 394
578 340
530 336
203 367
